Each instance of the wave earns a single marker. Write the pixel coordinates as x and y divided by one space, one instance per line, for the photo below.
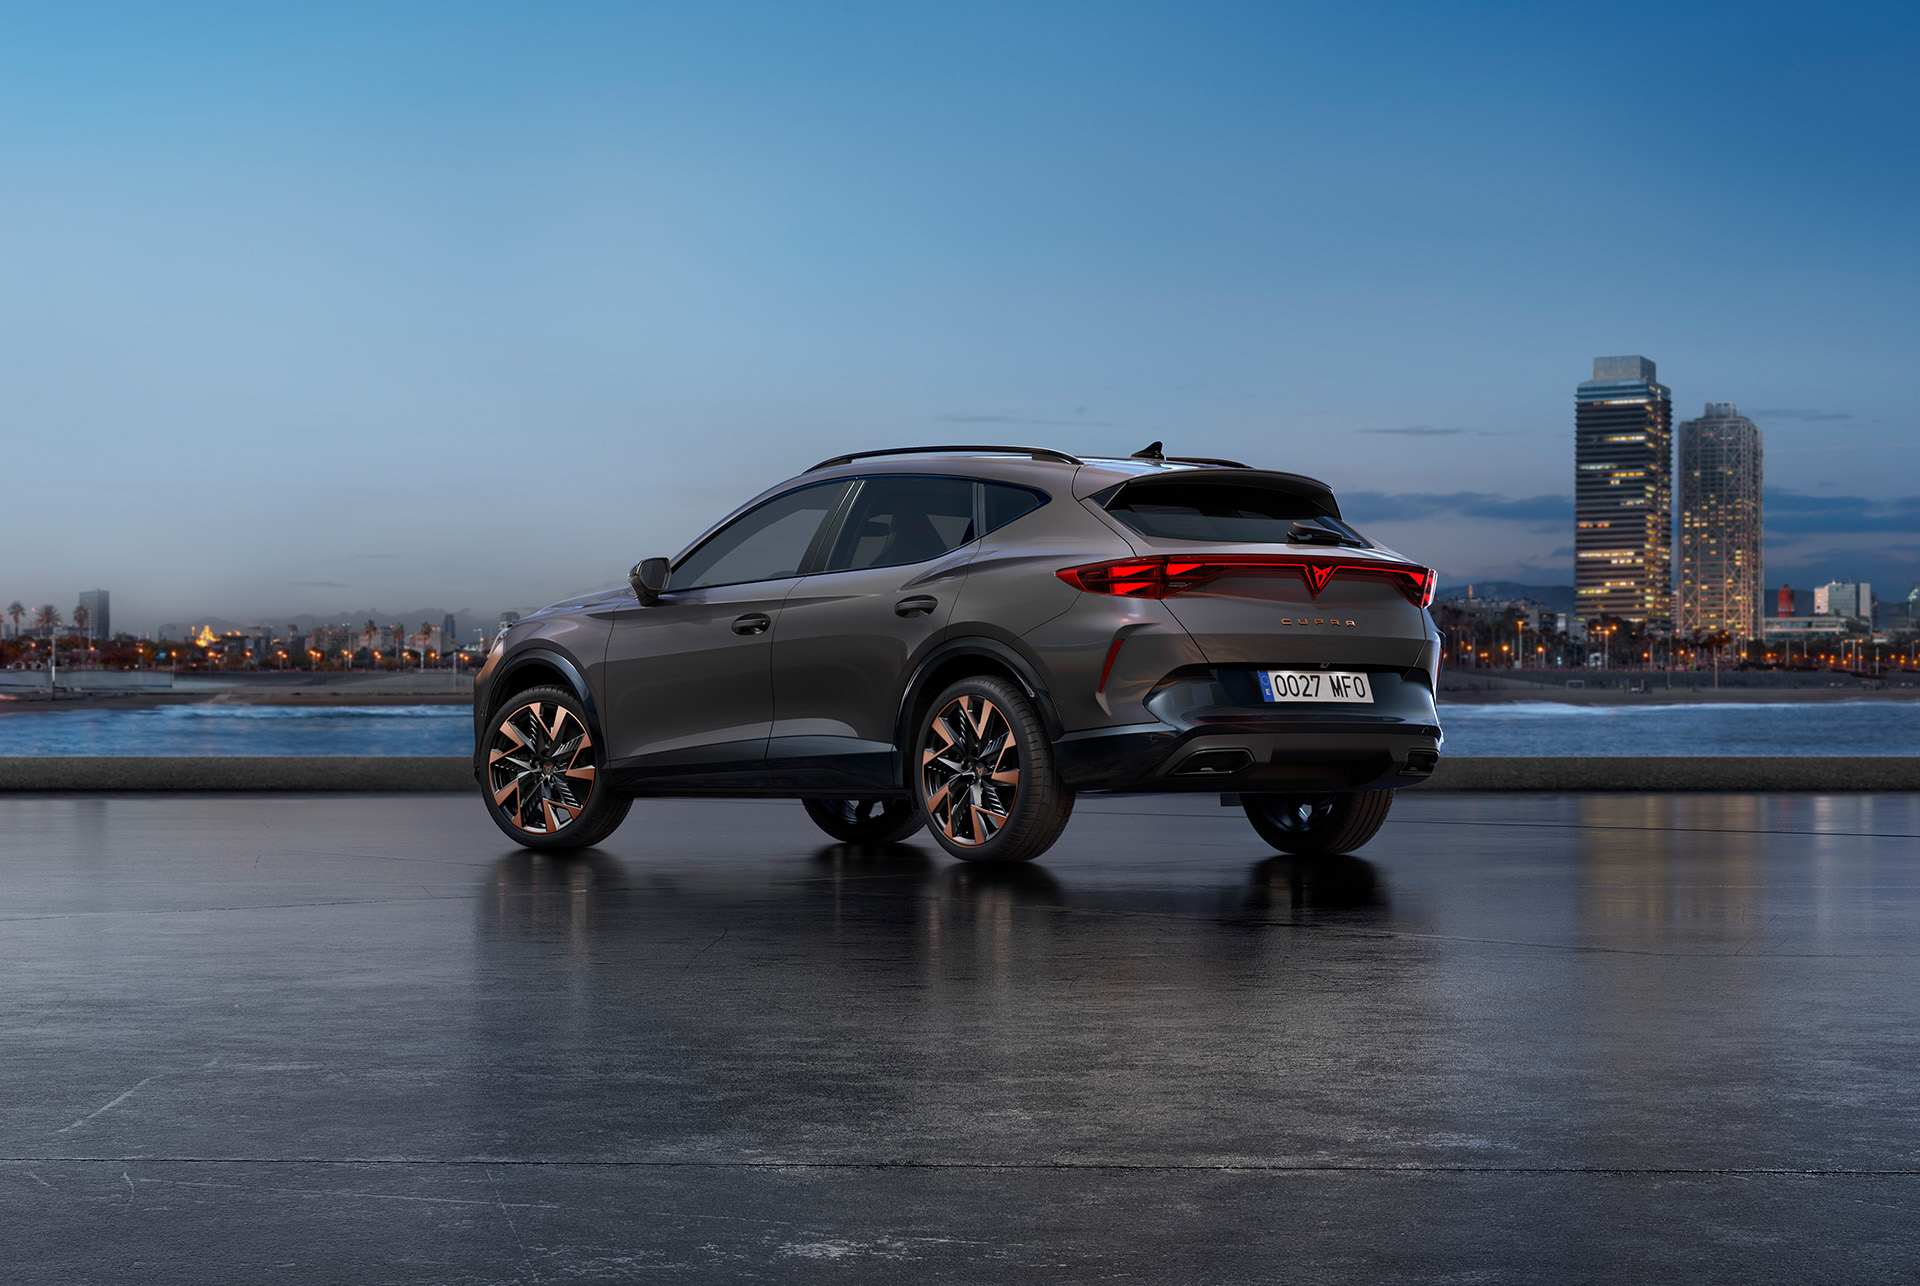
1568 710
176 714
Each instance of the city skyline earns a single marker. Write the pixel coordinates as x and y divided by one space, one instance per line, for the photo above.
294 306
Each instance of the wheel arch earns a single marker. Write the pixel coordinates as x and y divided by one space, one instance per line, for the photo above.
535 667
957 659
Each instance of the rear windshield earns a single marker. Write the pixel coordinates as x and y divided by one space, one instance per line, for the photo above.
1229 515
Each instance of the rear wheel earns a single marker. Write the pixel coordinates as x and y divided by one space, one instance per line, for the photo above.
1311 825
542 782
865 821
984 774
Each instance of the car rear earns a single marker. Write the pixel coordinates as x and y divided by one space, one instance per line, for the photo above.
1308 657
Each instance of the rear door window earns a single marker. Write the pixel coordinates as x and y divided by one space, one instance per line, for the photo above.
897 520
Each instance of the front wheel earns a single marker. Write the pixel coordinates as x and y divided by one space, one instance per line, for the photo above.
1315 825
865 821
542 782
984 774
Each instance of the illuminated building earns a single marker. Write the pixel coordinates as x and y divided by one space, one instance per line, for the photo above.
99 618
1623 494
1719 583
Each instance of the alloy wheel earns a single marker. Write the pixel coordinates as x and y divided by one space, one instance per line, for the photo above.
970 770
540 769
1300 814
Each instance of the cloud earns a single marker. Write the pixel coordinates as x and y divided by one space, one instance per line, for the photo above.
1795 513
1565 551
1418 431
1797 413
1375 506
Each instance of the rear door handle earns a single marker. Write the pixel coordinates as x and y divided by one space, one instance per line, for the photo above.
752 623
915 606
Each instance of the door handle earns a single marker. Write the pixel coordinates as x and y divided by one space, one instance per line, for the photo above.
752 623
918 605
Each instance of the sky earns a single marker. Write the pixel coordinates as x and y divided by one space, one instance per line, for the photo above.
338 309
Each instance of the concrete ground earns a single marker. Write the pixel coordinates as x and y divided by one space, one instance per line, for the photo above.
1556 1039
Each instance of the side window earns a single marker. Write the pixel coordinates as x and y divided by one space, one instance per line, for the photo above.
899 520
1005 502
763 544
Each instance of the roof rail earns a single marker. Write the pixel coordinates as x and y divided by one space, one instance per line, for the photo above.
1038 453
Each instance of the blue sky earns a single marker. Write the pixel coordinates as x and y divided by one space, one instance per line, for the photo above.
470 306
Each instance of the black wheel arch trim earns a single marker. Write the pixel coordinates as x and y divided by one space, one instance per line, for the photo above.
549 658
1007 653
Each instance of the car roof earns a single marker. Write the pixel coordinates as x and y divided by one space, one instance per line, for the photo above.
1040 467
1037 466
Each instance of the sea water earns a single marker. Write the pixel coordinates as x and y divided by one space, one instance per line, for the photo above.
1747 728
1517 728
241 730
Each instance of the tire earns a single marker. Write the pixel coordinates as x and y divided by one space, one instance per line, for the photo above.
1316 825
865 821
983 774
542 782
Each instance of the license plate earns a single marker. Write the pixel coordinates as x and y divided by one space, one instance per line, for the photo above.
1314 685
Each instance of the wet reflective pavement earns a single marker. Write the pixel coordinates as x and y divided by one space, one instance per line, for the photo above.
1523 1039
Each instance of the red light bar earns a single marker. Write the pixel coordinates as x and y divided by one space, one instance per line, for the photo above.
1162 576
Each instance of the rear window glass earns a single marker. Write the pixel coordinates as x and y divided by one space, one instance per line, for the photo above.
1229 515
1006 502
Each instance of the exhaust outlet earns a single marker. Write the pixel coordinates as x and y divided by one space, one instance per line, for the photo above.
1214 763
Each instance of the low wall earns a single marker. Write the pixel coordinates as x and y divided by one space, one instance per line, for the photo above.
87 680
1885 775
261 772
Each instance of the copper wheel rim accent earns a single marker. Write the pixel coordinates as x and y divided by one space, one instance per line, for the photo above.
970 770
540 767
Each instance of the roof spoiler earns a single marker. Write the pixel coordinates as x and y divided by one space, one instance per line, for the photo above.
1312 490
1151 451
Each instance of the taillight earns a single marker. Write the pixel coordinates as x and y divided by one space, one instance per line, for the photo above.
1166 575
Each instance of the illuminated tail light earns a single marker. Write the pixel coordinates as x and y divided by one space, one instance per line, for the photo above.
1165 576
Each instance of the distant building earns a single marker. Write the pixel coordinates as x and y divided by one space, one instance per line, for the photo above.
1623 494
1786 600
447 629
1796 627
1852 601
1719 582
99 619
1902 616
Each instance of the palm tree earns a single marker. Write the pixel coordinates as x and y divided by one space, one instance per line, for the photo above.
16 611
46 619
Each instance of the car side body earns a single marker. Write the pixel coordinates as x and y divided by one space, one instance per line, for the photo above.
901 573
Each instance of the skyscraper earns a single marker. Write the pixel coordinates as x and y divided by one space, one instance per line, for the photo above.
1719 586
1623 494
99 620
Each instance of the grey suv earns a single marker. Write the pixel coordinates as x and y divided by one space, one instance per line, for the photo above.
964 638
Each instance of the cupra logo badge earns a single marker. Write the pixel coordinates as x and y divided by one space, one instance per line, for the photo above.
1349 625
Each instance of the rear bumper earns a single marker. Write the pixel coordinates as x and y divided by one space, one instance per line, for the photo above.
1257 748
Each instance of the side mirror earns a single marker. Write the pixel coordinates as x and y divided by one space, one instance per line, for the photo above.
649 580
